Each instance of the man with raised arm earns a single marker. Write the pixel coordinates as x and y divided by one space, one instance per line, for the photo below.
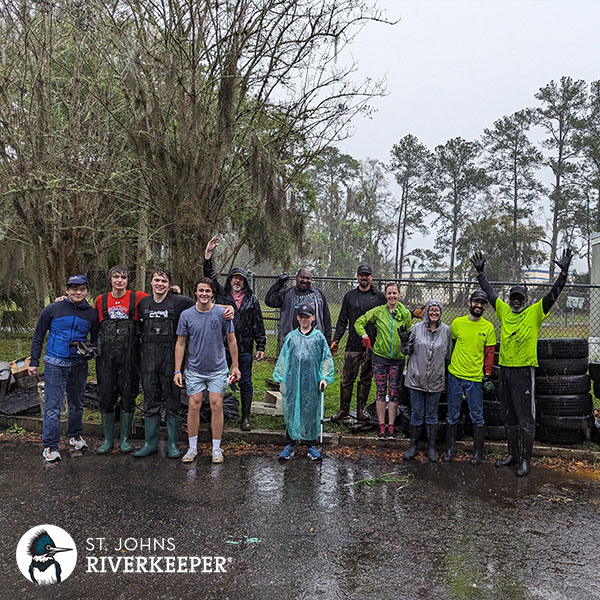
518 359
247 320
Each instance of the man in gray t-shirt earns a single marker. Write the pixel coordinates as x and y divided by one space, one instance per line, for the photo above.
201 329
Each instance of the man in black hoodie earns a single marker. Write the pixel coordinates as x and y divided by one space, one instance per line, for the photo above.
357 357
247 320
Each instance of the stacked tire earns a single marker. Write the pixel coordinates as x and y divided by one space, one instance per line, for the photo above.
564 405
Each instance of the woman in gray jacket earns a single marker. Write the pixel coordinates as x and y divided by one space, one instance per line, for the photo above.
429 346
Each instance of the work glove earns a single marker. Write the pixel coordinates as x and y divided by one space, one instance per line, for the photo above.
85 350
564 261
418 313
334 348
478 262
488 384
404 334
282 278
366 342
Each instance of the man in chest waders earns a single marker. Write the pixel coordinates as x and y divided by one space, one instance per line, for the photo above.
159 315
117 362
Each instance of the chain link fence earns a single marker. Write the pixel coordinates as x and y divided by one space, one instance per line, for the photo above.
569 317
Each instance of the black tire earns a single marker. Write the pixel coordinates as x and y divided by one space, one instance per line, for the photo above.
583 423
567 406
552 435
562 366
550 385
495 433
562 348
594 370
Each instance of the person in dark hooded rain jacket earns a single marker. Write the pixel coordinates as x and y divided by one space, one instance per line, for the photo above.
247 320
429 345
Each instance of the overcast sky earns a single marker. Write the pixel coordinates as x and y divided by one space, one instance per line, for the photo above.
454 67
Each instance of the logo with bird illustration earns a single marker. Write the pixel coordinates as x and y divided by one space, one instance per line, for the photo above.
46 555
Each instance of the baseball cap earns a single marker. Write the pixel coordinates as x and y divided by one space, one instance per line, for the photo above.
78 280
364 269
518 290
306 309
479 295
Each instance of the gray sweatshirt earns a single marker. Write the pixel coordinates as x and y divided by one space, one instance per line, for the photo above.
429 354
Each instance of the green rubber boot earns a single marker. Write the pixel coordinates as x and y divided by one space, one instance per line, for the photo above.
173 433
151 433
126 419
108 428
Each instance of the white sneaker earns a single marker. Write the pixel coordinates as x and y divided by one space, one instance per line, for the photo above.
51 455
190 455
78 443
217 455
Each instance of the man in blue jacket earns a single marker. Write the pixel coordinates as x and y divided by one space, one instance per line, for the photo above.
69 321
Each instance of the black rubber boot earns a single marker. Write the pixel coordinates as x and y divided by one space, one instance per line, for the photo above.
512 433
478 440
108 428
361 404
246 407
415 434
526 449
431 440
125 428
173 437
450 442
151 433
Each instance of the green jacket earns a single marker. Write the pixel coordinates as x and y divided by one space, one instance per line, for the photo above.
387 342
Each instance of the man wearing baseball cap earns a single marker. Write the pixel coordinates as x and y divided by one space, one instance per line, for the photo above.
69 322
357 358
472 362
518 358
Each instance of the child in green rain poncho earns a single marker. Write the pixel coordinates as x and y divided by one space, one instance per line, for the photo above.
304 366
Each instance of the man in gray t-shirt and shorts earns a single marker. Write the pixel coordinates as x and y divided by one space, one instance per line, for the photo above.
202 328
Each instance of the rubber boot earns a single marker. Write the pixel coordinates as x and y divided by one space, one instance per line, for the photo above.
151 433
450 442
431 440
246 406
173 437
126 420
108 428
478 439
362 395
512 433
526 450
415 434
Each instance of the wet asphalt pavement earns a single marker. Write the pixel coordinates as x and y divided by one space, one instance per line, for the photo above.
304 530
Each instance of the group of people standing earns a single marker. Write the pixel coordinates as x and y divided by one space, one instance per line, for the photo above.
138 335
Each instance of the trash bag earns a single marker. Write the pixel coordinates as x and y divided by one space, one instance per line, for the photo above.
230 407
304 360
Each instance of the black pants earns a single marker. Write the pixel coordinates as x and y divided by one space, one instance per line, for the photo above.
156 366
117 374
355 362
516 392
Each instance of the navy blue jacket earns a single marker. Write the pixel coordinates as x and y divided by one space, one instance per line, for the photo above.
67 323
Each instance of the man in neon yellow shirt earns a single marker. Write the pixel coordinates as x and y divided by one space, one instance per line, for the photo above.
475 342
518 359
